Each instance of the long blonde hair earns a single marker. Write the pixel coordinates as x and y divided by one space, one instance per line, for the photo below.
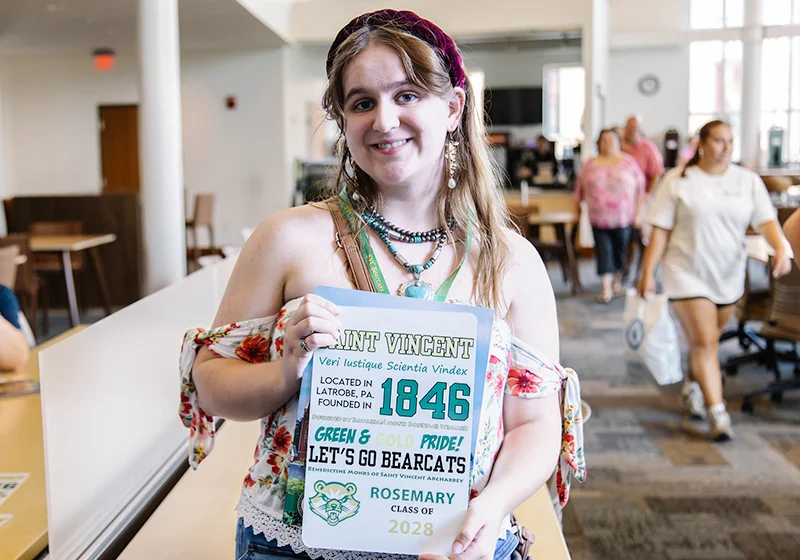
477 198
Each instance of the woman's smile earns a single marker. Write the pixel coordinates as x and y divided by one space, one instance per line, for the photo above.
391 148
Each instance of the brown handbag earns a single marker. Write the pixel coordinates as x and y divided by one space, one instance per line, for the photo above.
347 241
526 540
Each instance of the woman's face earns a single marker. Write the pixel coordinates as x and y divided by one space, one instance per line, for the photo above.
608 145
718 146
395 130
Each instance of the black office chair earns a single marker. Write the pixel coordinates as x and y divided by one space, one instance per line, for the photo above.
783 324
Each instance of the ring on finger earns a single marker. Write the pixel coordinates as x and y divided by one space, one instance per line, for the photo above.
304 346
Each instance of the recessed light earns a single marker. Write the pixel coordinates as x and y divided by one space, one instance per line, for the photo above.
55 8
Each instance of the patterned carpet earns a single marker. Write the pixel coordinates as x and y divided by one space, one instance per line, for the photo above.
658 490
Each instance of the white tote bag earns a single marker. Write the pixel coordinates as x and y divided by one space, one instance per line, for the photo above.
651 339
585 235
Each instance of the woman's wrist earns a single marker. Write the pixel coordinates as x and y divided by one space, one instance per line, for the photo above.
492 502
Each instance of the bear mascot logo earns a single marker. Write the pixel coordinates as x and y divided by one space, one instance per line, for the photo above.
334 502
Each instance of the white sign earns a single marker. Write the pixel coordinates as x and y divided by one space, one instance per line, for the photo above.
390 430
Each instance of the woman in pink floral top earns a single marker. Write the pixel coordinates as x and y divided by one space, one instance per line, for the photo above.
413 149
612 184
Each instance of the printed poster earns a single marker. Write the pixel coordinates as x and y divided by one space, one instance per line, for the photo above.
387 423
9 482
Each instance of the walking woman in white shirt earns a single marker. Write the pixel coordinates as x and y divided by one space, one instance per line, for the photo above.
700 215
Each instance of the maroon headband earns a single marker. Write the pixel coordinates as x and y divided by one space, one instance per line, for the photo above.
407 22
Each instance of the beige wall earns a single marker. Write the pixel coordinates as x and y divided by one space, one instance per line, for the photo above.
320 20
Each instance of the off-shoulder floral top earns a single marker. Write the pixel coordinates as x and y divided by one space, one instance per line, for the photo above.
514 369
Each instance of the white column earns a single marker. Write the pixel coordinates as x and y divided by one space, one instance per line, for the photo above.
595 54
161 145
3 172
753 36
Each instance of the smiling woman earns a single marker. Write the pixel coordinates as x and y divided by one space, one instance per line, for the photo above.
412 151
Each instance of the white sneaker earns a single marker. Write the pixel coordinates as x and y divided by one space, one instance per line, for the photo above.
693 402
719 423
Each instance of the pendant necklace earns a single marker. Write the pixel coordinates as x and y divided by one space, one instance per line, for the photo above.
387 231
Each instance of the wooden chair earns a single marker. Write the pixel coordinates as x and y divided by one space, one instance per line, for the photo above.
203 217
8 265
783 324
28 286
49 264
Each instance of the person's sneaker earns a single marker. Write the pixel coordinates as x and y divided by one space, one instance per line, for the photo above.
719 423
694 406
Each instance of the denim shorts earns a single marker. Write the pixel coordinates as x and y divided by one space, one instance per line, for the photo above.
250 546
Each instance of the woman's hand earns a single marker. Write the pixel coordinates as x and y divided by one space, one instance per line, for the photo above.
646 286
477 538
314 325
781 264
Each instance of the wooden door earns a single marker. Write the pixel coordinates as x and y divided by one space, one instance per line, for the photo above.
119 148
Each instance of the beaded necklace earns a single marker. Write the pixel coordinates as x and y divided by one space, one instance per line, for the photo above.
356 222
387 231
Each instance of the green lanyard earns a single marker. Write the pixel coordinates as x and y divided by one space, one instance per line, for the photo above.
372 262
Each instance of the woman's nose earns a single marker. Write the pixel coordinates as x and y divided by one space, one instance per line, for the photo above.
386 118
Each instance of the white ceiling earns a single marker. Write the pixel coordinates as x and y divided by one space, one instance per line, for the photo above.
61 26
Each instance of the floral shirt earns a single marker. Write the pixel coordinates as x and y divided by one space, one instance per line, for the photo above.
514 368
611 191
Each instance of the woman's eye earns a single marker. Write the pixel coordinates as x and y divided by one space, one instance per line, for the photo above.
362 105
408 97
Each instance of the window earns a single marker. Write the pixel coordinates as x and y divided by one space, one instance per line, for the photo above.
564 103
714 14
780 94
715 85
781 12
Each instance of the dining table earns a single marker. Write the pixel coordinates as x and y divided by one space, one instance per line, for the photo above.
65 245
23 515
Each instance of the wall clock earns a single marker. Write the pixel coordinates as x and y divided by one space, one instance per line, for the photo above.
648 85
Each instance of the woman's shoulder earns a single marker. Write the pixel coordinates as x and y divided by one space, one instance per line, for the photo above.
628 160
294 225
744 174
676 174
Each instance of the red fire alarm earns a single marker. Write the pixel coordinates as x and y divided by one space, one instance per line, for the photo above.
230 102
103 60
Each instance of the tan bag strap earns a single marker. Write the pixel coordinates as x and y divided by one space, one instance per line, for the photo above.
347 241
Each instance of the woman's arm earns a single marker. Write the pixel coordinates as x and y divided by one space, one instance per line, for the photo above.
241 390
532 427
652 256
13 347
781 261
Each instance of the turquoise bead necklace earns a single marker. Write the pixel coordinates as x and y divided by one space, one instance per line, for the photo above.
387 232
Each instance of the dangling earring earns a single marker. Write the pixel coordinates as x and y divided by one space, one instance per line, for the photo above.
700 152
451 157
354 176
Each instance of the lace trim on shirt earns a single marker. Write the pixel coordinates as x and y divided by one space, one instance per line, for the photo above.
287 535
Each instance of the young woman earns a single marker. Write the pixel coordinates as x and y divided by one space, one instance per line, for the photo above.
612 184
700 215
413 153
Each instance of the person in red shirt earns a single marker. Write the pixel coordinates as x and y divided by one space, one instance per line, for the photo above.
651 163
643 151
